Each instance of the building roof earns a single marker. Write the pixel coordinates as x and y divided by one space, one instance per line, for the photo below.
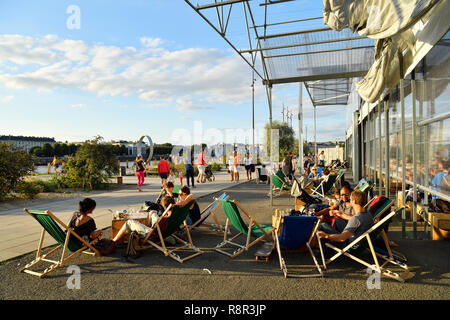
23 138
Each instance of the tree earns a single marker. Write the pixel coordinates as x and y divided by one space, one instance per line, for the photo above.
47 150
72 149
286 142
15 164
36 151
91 167
57 149
64 149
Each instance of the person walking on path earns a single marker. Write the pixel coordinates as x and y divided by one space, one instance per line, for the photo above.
287 165
163 170
322 159
55 163
201 167
236 166
140 172
231 166
248 166
189 169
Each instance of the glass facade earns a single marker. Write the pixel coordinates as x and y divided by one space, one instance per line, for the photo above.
424 145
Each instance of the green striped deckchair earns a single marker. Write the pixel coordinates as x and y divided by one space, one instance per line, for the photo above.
280 184
177 219
259 231
365 242
62 235
325 186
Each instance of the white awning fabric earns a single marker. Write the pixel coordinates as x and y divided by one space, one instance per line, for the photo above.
390 23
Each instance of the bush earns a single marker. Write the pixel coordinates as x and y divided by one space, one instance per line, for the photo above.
15 164
53 185
91 167
30 189
216 166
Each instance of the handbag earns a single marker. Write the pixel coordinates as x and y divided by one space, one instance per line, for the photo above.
105 246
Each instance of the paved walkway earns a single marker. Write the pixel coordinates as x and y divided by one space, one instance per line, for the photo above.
19 233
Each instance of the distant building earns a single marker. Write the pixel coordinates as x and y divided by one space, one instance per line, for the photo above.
27 143
132 147
333 150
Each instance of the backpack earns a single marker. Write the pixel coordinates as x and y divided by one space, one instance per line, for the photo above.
131 251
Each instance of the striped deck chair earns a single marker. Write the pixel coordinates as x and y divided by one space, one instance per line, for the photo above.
387 253
365 242
205 214
325 186
340 174
62 234
177 218
280 184
259 231
298 231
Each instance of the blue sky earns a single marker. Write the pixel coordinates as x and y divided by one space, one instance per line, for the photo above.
132 68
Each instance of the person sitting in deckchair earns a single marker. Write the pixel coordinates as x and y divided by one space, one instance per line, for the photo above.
143 230
194 209
357 224
315 176
82 224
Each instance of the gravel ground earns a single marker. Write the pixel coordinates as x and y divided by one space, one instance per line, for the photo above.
213 276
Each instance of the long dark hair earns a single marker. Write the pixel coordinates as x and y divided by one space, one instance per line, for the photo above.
86 204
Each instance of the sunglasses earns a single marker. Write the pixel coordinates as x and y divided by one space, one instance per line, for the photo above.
345 194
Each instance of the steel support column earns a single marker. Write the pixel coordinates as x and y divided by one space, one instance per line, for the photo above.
387 149
414 155
300 129
403 146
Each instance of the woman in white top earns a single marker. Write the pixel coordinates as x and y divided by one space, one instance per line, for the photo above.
248 166
322 159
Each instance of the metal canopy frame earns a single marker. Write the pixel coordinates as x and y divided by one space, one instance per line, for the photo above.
284 51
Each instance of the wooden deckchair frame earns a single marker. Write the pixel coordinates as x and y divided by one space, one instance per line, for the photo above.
285 188
164 249
241 248
366 235
43 257
205 214
376 218
320 187
282 261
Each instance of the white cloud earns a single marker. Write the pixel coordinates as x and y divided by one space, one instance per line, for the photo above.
6 99
151 42
78 106
156 75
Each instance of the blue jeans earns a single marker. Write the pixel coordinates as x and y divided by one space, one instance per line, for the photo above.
189 174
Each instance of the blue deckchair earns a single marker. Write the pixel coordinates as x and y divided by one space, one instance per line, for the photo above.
209 211
297 233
